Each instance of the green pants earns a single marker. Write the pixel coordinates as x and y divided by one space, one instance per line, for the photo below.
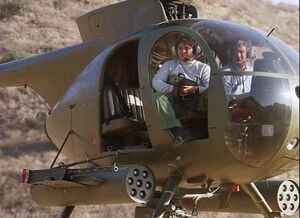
169 108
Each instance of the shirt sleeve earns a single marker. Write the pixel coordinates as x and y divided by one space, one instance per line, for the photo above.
227 81
204 81
227 84
159 81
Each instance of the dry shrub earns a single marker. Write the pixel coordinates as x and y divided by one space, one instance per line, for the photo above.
7 55
2 96
11 54
10 8
16 54
23 114
60 4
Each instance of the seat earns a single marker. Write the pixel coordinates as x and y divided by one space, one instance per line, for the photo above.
270 63
122 126
123 111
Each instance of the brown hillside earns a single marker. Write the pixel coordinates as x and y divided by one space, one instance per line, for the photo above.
30 27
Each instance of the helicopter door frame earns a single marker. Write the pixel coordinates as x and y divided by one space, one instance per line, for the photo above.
161 138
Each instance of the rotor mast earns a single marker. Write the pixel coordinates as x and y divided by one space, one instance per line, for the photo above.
179 9
112 22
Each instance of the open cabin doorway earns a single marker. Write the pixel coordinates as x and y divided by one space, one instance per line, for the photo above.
123 117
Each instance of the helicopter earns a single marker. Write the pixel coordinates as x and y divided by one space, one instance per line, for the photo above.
103 117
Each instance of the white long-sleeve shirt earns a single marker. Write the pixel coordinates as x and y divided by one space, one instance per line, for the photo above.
193 70
235 85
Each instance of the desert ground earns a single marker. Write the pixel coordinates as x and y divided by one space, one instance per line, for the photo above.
30 27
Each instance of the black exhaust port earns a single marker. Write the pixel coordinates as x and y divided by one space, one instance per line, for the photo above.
297 91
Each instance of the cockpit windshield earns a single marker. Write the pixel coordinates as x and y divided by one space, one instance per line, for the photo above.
254 68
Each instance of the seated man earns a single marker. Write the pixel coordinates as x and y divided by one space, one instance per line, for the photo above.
238 86
192 79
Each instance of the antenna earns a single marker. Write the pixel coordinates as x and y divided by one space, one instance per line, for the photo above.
270 32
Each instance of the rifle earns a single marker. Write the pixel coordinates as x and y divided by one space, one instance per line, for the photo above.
180 80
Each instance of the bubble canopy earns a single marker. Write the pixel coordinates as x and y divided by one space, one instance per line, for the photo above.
259 104
259 97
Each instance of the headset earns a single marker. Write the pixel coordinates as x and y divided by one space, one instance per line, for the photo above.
183 38
251 54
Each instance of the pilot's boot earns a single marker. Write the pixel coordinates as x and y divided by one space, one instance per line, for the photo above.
180 136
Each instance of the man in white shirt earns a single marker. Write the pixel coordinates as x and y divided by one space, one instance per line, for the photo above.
187 67
238 86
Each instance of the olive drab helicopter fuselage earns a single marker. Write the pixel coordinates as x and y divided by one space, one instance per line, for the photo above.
103 117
